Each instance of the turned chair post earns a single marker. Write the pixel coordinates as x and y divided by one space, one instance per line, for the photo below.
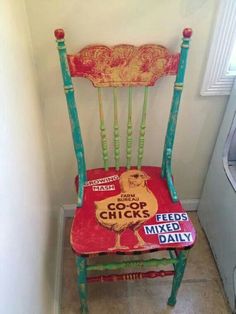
73 114
178 276
82 283
171 128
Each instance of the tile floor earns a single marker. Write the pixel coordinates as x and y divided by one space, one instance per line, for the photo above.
200 293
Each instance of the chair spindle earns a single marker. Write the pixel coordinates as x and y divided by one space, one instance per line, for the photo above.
116 131
142 129
103 131
129 131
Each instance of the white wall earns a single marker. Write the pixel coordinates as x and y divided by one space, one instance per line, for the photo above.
137 22
27 221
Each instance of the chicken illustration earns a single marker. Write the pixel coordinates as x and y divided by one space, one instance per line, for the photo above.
129 209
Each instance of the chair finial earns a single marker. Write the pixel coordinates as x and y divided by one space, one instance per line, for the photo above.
187 32
59 33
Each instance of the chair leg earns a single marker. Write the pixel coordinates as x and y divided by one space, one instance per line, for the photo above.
82 283
179 272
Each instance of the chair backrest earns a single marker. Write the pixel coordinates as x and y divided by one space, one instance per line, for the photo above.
123 66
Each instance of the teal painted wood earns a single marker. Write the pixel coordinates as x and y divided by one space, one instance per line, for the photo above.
129 131
103 131
74 120
177 279
142 129
169 178
116 131
171 128
82 283
138 263
172 256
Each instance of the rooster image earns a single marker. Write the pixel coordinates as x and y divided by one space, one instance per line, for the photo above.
129 209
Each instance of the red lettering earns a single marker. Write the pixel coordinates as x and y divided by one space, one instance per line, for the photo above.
134 205
126 214
112 215
143 204
120 206
145 213
109 206
102 215
136 214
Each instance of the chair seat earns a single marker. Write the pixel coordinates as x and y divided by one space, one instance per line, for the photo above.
129 212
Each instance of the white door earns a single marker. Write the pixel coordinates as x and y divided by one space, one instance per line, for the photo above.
217 209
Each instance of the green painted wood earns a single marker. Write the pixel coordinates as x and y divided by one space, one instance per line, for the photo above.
171 128
82 283
116 131
172 256
177 279
74 120
142 129
136 263
103 131
129 131
169 178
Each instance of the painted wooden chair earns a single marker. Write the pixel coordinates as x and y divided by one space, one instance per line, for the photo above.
129 209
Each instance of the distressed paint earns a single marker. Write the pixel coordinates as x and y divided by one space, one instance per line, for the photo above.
169 178
123 65
129 264
170 134
131 276
129 131
116 131
103 131
87 228
82 283
179 273
172 255
142 129
73 114
134 194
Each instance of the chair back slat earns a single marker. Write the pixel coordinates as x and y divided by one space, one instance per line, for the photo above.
103 131
116 132
129 131
123 65
142 129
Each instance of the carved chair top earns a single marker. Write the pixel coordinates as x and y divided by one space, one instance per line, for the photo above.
122 65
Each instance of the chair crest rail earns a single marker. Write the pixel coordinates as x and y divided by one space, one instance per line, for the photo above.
123 65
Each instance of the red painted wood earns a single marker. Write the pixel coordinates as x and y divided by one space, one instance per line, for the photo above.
59 34
131 276
92 235
123 65
187 32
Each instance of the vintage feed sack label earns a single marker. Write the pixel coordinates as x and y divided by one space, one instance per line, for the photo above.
102 180
168 228
132 207
102 188
178 237
162 228
172 217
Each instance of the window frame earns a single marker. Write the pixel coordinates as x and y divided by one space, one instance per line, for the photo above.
217 79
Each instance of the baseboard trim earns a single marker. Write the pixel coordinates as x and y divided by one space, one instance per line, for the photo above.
59 261
69 210
190 205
